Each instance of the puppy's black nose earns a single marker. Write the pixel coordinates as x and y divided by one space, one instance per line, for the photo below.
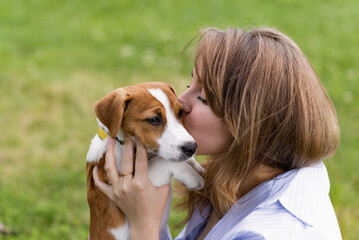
189 148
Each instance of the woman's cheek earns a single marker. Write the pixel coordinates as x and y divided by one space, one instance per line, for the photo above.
212 135
201 131
192 127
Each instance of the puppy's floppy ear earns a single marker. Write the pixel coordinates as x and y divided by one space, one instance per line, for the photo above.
111 108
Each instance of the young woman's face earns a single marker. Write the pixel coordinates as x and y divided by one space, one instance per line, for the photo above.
206 128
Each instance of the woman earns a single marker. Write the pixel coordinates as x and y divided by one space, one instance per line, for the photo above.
258 109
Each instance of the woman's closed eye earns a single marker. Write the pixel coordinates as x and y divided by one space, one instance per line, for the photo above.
202 100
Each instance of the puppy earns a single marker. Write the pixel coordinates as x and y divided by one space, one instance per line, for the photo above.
151 112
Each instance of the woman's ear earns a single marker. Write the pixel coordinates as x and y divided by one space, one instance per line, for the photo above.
111 108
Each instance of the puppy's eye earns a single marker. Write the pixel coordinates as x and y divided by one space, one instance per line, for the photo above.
180 113
154 121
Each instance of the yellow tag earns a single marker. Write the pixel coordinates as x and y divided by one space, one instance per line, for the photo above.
101 133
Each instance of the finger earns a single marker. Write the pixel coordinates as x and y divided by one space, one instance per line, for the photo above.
127 156
141 163
110 164
104 188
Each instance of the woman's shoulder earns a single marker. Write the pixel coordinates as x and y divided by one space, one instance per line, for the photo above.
294 205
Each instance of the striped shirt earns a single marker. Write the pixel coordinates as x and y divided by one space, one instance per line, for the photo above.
293 205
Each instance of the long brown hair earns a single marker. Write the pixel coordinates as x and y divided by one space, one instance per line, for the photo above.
269 96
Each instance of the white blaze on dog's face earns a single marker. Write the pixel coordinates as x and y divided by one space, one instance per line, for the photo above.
175 142
154 115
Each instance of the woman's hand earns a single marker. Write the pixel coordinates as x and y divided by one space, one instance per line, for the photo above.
141 201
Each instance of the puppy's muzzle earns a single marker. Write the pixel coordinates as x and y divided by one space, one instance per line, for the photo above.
189 148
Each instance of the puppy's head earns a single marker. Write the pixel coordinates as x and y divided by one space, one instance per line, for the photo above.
151 112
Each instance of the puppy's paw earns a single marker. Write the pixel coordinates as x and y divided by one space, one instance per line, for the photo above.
197 184
193 180
195 165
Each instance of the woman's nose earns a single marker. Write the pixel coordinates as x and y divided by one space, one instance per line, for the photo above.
185 102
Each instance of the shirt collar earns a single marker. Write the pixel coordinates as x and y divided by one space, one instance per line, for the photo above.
300 191
303 195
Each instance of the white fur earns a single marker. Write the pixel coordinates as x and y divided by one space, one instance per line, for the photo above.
161 170
97 149
174 135
122 232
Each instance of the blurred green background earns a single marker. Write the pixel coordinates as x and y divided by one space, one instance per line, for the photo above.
58 57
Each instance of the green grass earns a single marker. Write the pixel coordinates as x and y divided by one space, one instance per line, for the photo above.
58 57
